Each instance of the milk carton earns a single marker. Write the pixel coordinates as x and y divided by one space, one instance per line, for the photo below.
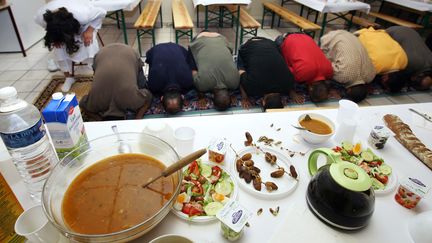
64 122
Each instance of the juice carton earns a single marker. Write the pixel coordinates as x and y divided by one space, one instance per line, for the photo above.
65 124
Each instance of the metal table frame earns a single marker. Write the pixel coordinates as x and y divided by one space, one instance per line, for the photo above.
121 21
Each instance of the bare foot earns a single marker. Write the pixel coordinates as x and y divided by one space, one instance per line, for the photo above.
246 104
202 103
298 99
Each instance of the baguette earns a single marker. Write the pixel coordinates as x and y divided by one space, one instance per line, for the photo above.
406 137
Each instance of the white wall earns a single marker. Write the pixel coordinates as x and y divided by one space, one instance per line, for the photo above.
30 32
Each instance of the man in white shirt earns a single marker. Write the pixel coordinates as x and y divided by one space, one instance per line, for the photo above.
71 27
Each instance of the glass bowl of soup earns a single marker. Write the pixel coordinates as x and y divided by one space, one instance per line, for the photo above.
96 195
318 128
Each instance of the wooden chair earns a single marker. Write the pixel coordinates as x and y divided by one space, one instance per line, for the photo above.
145 23
182 21
303 24
248 24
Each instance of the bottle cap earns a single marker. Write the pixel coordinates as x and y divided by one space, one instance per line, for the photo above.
7 93
57 96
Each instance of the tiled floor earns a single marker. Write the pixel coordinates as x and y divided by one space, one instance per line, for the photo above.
29 74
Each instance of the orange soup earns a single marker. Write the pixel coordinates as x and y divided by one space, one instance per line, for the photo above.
108 197
316 126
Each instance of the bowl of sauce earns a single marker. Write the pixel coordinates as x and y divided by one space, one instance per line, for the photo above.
318 128
97 196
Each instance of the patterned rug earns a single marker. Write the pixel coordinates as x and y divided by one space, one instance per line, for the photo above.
83 86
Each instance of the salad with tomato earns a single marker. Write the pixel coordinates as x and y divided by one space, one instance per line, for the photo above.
205 190
374 166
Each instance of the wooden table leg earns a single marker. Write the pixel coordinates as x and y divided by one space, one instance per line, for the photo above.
16 31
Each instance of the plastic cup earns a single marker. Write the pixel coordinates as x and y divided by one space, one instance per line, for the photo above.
346 130
347 109
34 225
161 130
410 192
184 137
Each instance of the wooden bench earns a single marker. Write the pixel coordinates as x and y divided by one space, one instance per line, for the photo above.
304 24
395 20
248 24
181 20
358 20
145 23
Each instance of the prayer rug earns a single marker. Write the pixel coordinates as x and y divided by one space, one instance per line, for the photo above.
83 86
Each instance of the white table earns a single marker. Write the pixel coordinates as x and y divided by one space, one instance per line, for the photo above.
118 6
416 5
332 6
388 223
413 4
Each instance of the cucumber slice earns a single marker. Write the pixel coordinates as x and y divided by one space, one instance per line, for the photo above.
213 208
206 170
385 169
377 185
223 187
347 145
367 156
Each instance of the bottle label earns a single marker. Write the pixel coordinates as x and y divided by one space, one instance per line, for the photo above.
24 138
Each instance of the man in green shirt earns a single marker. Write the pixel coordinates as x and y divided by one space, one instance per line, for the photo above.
213 69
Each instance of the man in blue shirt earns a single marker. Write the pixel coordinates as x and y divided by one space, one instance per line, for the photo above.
169 74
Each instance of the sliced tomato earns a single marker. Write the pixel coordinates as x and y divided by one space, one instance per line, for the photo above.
216 174
375 163
194 168
337 149
192 209
382 178
197 189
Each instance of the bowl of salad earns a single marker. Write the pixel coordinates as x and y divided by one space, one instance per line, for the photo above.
381 173
205 189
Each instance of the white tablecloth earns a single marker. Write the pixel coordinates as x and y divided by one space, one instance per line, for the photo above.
388 223
417 5
210 2
113 5
334 6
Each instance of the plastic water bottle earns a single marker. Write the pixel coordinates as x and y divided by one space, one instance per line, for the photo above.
23 132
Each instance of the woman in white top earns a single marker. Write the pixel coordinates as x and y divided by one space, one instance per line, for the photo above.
71 27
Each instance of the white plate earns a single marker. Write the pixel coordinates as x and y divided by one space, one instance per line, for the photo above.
286 184
391 184
203 219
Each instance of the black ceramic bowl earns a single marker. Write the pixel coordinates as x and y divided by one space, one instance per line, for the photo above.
338 206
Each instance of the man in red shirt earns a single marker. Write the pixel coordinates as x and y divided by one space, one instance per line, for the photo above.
307 63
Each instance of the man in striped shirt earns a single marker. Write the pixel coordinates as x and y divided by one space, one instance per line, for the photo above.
351 64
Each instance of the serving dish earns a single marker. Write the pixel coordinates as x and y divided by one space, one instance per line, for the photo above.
383 177
315 138
206 188
286 184
71 166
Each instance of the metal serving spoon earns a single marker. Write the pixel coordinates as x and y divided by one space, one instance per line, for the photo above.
124 148
178 165
300 128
